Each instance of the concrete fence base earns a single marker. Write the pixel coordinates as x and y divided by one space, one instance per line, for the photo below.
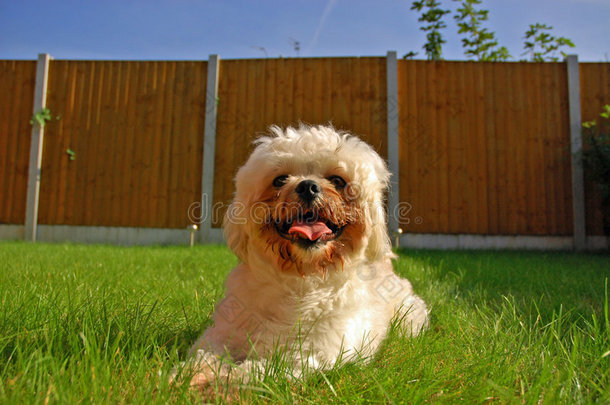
162 236
107 235
437 241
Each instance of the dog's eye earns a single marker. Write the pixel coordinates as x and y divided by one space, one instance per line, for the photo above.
337 181
279 181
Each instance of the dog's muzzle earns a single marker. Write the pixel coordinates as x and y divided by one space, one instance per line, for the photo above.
308 229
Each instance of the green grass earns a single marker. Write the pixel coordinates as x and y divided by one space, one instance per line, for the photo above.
100 324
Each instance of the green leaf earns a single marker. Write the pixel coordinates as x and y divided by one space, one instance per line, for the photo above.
41 117
589 124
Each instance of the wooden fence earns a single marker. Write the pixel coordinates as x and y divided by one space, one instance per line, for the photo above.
136 132
595 93
254 94
484 148
16 105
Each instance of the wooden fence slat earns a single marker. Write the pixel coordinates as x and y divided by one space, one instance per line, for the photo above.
176 165
271 92
65 142
512 152
184 136
25 72
250 100
441 146
241 133
453 157
553 160
496 154
6 128
317 86
308 98
410 140
480 178
470 149
520 142
537 190
165 168
414 80
12 145
190 185
378 106
96 81
424 149
156 133
595 93
559 117
490 135
143 147
120 141
74 168
124 151
561 159
360 71
101 189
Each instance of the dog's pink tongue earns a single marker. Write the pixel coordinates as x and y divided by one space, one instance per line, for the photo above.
311 231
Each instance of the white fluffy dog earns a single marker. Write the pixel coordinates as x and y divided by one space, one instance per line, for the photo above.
315 279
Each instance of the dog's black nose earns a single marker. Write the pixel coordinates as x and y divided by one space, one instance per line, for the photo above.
308 190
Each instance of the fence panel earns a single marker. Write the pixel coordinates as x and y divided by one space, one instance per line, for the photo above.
125 145
594 94
484 148
17 81
253 94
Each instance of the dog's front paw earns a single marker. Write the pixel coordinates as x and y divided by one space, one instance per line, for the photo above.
204 378
201 372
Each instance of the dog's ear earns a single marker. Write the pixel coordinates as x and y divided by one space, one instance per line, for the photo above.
234 224
379 246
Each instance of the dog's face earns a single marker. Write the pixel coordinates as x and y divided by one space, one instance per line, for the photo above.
308 200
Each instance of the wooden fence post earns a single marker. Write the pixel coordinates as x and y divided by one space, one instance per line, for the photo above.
33 191
578 188
393 144
209 148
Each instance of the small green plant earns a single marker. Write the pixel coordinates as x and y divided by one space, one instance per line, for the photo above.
433 16
41 117
542 46
478 42
596 157
71 154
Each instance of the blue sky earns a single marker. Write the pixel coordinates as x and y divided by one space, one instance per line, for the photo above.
193 29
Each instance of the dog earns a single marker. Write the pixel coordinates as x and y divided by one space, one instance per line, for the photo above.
315 278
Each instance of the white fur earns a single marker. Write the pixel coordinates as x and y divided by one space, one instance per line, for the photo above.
317 317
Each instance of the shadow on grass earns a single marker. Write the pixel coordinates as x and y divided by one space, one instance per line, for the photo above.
552 280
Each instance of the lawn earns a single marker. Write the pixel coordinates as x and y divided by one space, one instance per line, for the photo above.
106 324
